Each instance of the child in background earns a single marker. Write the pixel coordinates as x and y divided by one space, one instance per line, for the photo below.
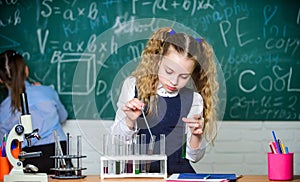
47 111
170 62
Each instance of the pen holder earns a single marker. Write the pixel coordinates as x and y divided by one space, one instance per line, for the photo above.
4 167
280 166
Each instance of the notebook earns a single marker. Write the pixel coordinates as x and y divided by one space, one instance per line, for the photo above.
205 177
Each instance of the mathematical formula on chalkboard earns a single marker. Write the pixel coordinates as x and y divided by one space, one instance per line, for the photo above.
84 49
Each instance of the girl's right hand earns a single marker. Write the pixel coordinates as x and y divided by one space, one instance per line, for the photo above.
133 109
36 84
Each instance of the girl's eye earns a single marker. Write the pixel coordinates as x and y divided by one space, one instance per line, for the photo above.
185 76
169 71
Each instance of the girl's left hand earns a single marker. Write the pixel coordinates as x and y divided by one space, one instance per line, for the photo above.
195 124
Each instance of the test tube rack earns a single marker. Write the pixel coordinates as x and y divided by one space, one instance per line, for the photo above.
134 159
131 156
69 171
64 168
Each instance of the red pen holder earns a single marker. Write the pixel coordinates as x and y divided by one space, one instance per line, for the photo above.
280 166
4 167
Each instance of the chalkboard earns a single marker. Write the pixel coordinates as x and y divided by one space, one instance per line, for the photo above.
84 49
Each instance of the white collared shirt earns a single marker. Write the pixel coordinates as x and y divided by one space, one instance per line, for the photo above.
128 92
163 93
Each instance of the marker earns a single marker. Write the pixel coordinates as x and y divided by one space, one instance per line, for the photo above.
279 144
287 150
275 140
4 146
206 177
239 176
283 148
273 147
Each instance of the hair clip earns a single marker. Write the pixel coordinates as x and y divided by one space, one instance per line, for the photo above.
199 40
172 32
11 54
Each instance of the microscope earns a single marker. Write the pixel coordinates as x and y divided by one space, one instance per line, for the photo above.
19 132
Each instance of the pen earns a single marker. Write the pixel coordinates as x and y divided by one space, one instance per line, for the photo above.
206 177
4 145
279 144
273 147
239 176
283 148
287 150
275 140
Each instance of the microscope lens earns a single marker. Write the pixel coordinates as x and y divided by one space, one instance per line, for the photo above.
24 104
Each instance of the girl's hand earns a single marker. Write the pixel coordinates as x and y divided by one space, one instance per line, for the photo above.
195 124
133 109
36 83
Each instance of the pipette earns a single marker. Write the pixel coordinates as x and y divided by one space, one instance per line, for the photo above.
144 116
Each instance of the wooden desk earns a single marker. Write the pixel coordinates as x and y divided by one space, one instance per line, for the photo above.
96 178
262 178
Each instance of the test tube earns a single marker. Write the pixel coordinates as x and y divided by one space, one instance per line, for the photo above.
150 151
60 162
122 153
105 152
183 149
129 150
68 160
162 142
79 153
151 145
117 152
137 152
111 152
57 163
143 152
68 144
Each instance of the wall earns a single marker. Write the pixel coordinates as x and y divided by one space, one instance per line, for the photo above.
240 147
83 49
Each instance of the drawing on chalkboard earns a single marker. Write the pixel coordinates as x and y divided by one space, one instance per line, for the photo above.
67 65
7 42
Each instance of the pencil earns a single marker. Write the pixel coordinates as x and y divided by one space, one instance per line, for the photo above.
283 148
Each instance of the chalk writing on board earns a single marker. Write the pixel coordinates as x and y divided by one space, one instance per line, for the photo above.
267 83
80 48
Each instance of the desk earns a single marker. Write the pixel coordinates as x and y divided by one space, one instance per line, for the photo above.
96 178
262 178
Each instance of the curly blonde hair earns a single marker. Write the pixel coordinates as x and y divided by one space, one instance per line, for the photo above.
203 75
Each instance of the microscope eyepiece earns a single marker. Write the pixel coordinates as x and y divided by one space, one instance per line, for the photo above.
24 104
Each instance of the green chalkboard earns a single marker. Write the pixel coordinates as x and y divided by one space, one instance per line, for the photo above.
84 49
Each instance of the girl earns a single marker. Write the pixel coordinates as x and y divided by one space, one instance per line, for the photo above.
47 112
159 87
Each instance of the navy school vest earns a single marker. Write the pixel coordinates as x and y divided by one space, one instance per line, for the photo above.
168 121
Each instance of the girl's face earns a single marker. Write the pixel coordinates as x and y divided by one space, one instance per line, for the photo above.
174 70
